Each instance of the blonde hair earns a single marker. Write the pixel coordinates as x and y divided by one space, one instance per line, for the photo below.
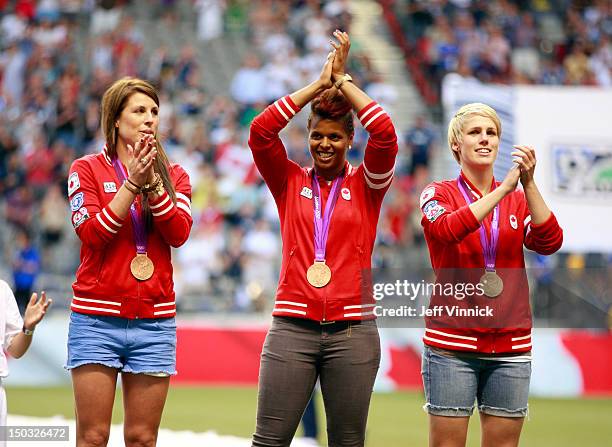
457 123
114 100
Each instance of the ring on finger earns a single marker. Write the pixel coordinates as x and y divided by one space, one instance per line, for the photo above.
144 160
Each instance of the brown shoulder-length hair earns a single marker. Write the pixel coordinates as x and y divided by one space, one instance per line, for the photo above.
114 101
332 105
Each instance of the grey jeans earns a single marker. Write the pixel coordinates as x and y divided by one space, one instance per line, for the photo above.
343 355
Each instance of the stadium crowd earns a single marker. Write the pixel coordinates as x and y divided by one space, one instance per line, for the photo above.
58 56
561 42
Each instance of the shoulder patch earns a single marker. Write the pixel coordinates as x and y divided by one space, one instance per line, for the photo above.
79 217
77 201
426 195
73 183
433 210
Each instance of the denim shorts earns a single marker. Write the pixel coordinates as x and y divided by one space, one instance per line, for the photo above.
452 385
143 346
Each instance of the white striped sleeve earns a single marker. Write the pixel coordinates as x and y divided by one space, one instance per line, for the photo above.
162 205
109 221
377 181
371 114
286 108
183 202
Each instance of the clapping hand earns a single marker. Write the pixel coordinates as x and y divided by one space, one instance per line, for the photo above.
342 50
141 160
325 79
511 180
36 310
524 156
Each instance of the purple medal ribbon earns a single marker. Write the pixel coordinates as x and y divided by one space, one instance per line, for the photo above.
321 224
489 247
140 232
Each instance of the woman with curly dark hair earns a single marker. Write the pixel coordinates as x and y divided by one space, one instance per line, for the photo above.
324 326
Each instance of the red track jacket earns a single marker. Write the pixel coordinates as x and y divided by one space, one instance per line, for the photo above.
452 235
353 224
104 284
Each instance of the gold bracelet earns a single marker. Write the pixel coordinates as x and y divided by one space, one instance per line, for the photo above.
131 188
153 186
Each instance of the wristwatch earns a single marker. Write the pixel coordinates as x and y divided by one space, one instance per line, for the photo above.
27 331
345 77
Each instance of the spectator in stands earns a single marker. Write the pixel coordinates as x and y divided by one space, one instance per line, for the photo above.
16 333
26 268
248 85
487 360
52 217
576 66
322 300
210 18
124 304
420 141
600 62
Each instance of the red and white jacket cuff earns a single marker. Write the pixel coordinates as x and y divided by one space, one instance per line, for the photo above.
183 202
164 207
371 117
110 221
285 108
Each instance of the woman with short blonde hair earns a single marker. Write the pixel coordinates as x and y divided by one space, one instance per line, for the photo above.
475 228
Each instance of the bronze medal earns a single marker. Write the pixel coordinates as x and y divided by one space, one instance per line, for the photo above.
318 274
492 284
142 267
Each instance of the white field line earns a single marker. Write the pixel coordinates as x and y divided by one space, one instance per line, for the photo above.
166 438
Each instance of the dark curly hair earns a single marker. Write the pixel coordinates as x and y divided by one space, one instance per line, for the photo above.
332 105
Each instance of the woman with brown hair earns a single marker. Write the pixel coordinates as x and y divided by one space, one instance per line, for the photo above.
323 325
129 207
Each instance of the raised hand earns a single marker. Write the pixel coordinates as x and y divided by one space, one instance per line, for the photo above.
325 78
511 180
141 160
342 49
524 157
36 310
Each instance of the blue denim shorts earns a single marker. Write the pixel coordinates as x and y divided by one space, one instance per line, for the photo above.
453 384
143 346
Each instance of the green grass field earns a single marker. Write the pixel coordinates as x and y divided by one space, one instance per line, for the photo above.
396 419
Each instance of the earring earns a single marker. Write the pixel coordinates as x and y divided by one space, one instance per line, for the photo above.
349 147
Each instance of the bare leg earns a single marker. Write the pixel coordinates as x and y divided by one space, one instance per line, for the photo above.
94 394
448 431
144 398
500 431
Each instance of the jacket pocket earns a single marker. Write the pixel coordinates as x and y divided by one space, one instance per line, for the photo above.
288 264
100 267
365 271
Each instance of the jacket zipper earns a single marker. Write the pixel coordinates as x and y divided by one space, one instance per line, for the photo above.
324 306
